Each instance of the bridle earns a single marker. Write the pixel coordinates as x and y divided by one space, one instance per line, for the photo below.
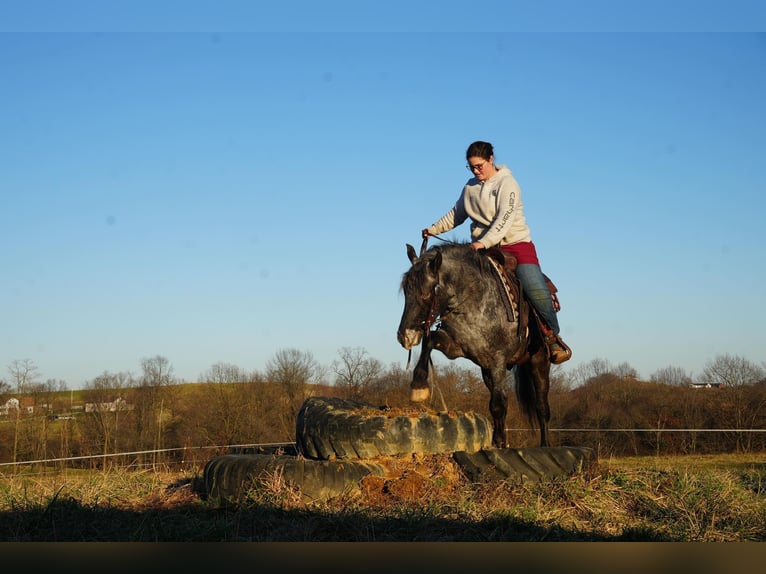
430 320
433 305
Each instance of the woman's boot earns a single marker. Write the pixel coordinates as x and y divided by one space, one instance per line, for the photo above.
558 351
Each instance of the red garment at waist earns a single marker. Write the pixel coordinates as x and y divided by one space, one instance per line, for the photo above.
524 251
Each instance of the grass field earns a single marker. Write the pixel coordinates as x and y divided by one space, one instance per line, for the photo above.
673 499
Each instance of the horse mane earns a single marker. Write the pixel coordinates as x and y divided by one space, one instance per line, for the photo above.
460 253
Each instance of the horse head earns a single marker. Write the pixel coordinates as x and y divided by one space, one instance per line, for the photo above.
420 286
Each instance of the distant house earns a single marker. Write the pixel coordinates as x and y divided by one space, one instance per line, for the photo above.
707 385
118 404
10 405
25 405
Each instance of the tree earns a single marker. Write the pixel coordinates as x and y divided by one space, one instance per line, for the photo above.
44 396
355 372
670 375
224 373
292 370
626 371
229 408
391 388
152 410
559 381
158 372
731 371
585 372
24 373
737 376
102 421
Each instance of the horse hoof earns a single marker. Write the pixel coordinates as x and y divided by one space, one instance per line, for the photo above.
419 395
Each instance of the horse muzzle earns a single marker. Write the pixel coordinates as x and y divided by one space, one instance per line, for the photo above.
409 338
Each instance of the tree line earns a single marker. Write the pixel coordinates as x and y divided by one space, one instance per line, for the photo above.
160 419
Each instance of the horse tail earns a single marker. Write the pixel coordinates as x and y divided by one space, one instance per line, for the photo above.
526 391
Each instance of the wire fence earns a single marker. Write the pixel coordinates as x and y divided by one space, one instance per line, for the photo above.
275 447
647 430
153 452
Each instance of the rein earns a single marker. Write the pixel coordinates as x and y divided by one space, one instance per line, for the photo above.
429 321
425 242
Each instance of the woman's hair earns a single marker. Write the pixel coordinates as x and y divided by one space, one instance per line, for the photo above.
479 149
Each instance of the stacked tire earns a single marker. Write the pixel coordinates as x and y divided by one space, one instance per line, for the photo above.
339 429
339 442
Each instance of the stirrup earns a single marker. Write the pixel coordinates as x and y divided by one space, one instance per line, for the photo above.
558 351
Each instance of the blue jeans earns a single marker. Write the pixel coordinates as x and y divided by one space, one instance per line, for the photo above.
533 282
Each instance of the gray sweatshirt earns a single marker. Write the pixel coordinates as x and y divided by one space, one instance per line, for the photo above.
495 210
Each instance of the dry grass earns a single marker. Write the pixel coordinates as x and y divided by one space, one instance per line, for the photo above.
711 499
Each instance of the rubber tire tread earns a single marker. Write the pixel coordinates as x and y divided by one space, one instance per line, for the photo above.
526 463
228 478
329 428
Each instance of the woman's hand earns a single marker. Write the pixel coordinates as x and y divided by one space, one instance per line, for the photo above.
477 246
425 233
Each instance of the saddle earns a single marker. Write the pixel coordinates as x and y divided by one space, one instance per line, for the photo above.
505 264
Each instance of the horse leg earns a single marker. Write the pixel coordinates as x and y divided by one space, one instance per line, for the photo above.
540 370
498 403
532 382
419 389
442 341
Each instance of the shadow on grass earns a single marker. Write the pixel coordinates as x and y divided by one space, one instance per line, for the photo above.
68 520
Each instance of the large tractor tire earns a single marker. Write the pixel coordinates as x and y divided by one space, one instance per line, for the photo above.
526 463
333 428
229 478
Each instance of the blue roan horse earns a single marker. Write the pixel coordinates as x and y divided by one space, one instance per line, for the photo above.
456 289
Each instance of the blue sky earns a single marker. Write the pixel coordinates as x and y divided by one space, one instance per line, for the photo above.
210 191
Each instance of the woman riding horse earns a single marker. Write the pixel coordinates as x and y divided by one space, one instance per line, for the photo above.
492 200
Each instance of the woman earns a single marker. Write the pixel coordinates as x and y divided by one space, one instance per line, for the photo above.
492 200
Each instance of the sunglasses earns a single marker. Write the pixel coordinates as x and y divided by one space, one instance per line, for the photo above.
477 167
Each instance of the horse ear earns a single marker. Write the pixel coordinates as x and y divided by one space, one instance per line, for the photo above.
411 254
436 262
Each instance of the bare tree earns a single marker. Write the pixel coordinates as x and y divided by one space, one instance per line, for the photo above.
228 405
57 385
392 387
105 397
44 396
24 373
151 410
737 376
158 372
459 387
670 375
355 371
224 373
293 371
559 381
625 371
585 372
731 371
